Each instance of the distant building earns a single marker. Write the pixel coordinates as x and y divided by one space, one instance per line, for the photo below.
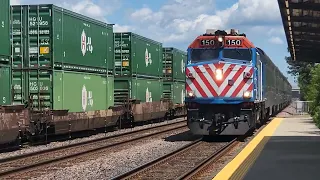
296 94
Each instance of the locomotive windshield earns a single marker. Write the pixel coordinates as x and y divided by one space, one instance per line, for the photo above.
242 54
200 55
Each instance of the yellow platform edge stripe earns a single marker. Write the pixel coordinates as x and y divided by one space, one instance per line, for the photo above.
233 165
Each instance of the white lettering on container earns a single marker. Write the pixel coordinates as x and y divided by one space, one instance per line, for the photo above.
34 21
120 44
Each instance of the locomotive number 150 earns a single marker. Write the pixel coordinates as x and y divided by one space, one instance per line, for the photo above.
234 42
207 42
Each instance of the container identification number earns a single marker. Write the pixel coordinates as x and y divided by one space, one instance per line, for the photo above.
120 44
34 21
34 86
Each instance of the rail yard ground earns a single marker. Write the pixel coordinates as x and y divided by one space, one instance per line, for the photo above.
32 149
114 161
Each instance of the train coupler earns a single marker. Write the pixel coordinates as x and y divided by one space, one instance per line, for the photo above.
236 121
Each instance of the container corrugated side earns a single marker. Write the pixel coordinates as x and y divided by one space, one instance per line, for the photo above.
77 92
5 83
178 92
136 55
174 91
110 49
4 31
80 92
167 90
143 89
174 63
50 36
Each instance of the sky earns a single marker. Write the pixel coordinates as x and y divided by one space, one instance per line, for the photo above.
176 23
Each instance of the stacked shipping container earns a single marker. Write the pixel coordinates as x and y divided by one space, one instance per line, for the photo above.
138 68
5 67
79 69
51 46
174 74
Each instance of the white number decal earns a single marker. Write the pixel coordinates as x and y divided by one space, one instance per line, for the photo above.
234 42
207 42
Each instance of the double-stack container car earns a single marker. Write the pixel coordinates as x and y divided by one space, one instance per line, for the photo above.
173 62
5 68
57 53
62 70
69 73
138 76
10 116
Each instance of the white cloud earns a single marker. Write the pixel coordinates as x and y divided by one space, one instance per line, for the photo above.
275 40
180 21
120 28
15 2
255 12
98 9
86 7
143 14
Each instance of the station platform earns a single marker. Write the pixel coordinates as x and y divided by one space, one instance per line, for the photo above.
287 148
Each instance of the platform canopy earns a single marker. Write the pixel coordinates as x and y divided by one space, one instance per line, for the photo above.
301 22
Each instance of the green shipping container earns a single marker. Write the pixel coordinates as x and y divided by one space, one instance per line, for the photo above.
174 63
179 92
4 31
77 92
5 83
174 91
167 90
143 89
136 55
50 36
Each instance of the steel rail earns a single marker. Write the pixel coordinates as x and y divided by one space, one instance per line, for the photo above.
213 158
62 158
129 174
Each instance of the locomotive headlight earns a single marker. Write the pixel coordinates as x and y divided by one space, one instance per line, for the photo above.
247 94
220 39
190 94
218 74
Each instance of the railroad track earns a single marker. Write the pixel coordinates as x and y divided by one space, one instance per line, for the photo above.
29 165
180 163
205 169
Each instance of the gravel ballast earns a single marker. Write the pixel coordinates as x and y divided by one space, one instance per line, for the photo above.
51 145
116 163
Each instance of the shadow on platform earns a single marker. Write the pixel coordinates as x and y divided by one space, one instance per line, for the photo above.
282 157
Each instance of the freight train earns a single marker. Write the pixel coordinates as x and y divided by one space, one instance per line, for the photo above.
64 72
232 86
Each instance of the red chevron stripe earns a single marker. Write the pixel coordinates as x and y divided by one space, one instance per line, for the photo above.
250 88
234 78
241 85
210 72
207 83
219 65
188 88
196 84
226 74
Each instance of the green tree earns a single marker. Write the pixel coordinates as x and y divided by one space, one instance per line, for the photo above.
301 70
312 93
